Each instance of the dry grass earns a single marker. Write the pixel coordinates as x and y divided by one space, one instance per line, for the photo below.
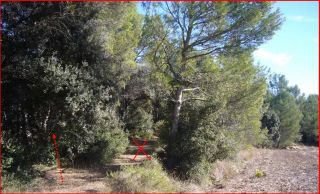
149 177
246 154
226 169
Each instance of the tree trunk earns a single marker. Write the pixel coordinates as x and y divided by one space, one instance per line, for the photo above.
176 114
175 125
174 129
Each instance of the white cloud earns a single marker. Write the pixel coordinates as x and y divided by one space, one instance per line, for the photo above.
300 18
279 59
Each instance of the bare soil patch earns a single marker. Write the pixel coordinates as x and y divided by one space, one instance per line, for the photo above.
286 170
75 180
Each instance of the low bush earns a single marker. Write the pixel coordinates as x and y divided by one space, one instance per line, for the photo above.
260 173
149 177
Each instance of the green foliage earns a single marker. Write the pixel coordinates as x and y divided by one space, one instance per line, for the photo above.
260 173
285 107
110 137
309 122
215 129
271 122
68 64
181 41
241 89
174 48
139 122
162 129
136 105
297 114
278 83
213 143
227 87
201 172
150 177
201 147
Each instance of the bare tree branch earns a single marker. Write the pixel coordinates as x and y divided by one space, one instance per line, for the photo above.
190 89
188 99
176 18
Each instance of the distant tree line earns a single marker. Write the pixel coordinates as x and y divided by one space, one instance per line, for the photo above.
290 116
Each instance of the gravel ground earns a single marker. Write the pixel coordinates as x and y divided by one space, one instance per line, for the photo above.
286 170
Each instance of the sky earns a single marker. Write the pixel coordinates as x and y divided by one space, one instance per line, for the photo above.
293 50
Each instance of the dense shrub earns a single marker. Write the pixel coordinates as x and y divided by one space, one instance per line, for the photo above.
138 118
109 139
199 149
228 116
111 134
60 80
162 129
213 143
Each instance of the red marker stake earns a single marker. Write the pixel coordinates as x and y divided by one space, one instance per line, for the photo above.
57 156
141 149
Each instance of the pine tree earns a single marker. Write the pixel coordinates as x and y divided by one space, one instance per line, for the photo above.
285 107
309 122
182 34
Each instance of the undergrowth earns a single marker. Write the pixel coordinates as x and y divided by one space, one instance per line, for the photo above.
149 177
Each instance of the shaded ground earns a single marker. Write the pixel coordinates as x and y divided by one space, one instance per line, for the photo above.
74 181
80 180
286 170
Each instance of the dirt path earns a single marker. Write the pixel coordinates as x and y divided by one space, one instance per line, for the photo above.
90 180
286 170
80 180
75 180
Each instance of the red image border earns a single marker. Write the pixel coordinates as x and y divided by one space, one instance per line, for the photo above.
142 1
